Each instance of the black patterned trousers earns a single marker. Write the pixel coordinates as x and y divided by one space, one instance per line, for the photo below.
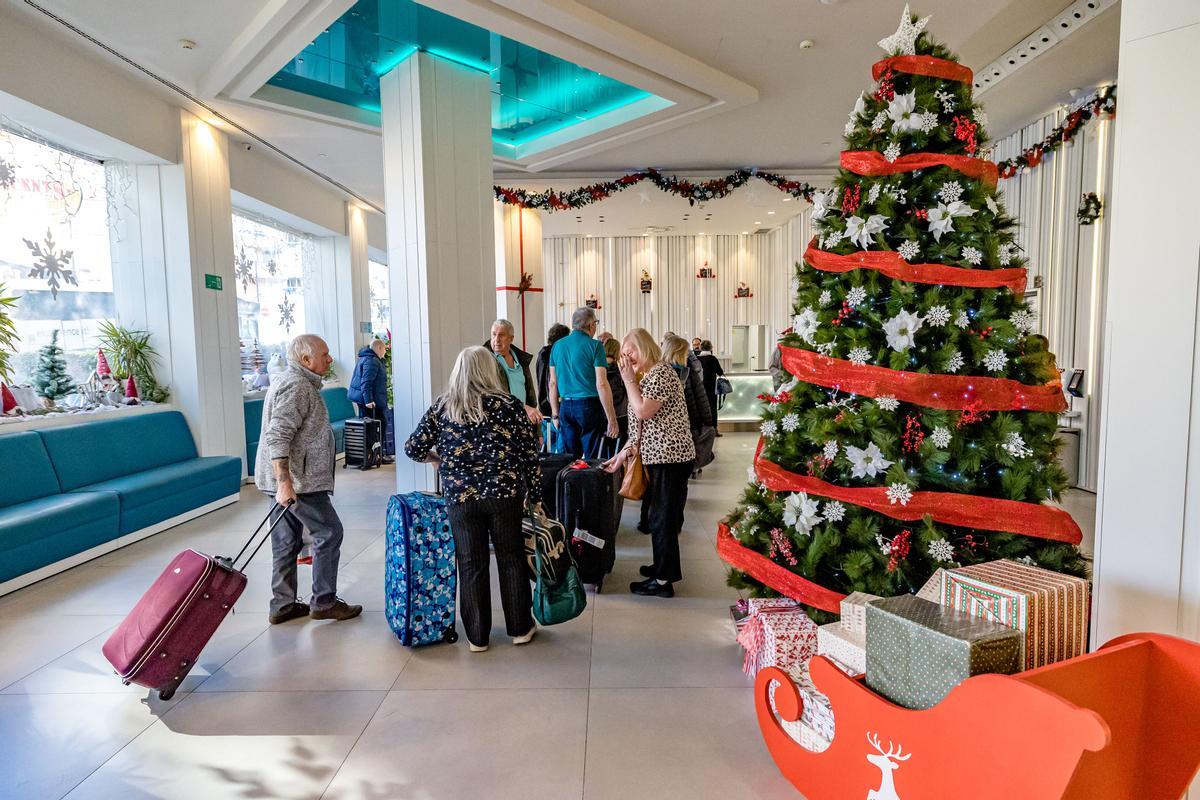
474 522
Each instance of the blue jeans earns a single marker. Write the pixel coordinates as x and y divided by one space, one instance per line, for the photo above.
582 424
313 510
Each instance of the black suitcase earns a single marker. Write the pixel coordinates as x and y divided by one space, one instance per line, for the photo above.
551 464
589 507
364 443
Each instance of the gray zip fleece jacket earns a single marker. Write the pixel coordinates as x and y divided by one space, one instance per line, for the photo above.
295 424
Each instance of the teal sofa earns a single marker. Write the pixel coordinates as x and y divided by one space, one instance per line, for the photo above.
79 486
340 410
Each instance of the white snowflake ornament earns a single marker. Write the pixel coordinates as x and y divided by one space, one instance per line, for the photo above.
899 493
950 191
832 239
927 122
891 152
770 428
866 462
940 437
938 316
830 450
1006 253
825 299
880 120
887 402
791 422
947 101
955 362
909 250
859 356
962 320
972 255
1015 446
1024 320
941 550
904 41
856 296
995 360
873 194
834 511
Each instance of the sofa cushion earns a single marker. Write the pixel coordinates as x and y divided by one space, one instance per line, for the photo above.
34 476
171 489
39 532
339 405
97 451
252 411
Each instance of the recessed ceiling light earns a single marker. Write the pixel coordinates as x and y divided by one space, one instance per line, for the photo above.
322 155
187 44
770 212
757 222
589 236
806 44
787 199
701 233
745 233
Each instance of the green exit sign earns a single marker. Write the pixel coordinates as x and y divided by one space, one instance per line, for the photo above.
212 282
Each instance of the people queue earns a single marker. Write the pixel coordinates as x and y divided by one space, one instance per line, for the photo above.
655 401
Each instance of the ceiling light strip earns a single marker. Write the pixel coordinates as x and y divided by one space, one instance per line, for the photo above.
192 98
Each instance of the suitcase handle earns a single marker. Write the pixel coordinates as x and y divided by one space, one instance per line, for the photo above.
232 562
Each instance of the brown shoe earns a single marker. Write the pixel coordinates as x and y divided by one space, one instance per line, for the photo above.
341 610
288 613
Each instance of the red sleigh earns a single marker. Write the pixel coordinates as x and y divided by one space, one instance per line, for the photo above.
1120 723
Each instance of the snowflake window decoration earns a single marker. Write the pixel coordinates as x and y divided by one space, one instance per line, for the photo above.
272 267
287 316
8 174
243 269
51 264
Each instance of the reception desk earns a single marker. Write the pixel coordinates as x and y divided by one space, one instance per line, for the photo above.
743 405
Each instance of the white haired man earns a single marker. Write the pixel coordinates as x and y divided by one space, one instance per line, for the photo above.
580 398
295 465
512 365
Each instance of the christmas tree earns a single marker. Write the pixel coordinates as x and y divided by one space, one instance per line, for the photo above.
50 378
918 428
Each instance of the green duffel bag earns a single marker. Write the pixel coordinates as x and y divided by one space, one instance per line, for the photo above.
558 602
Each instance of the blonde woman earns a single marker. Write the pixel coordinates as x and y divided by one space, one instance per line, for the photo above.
659 432
486 451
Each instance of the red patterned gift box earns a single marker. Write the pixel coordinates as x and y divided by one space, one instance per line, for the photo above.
777 635
1051 608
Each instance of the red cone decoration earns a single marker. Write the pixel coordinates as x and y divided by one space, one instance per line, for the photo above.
131 392
7 401
102 368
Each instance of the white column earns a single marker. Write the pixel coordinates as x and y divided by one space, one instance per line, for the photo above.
336 301
519 250
1148 541
197 230
437 154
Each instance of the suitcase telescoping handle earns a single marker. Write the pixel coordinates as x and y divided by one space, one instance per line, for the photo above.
232 562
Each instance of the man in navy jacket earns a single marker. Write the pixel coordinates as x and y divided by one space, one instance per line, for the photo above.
368 387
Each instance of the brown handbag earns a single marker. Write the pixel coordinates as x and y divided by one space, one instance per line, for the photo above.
634 484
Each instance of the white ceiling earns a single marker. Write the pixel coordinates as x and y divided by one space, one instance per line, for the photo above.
795 126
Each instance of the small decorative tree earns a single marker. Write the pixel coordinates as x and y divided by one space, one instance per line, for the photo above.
50 378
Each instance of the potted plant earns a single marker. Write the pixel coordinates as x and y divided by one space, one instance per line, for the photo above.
130 353
8 333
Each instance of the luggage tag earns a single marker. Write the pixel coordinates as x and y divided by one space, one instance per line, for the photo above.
584 536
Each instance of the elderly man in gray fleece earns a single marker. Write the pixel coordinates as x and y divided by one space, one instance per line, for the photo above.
295 465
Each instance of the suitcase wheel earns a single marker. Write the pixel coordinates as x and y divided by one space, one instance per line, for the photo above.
166 694
450 636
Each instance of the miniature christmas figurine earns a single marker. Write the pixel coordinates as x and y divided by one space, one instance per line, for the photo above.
276 364
8 403
262 380
131 392
102 368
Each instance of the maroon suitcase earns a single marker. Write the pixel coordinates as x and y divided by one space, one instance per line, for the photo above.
158 643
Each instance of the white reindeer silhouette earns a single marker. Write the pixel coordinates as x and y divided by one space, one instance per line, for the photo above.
886 762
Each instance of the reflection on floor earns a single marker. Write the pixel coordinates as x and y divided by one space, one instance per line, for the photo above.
637 695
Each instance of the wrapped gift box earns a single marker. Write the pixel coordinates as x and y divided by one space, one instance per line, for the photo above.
932 590
847 650
817 715
1049 608
738 614
854 612
917 651
777 636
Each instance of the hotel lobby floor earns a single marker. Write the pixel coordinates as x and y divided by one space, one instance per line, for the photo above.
636 695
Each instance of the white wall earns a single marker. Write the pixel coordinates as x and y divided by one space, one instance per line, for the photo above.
612 268
1070 260
1148 538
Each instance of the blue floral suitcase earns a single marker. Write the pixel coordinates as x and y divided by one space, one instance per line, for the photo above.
420 575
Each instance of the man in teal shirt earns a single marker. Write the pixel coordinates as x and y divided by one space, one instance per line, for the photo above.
580 397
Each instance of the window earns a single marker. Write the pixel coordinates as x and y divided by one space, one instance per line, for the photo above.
269 268
381 298
54 251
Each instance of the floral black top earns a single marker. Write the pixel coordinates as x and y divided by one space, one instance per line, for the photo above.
494 460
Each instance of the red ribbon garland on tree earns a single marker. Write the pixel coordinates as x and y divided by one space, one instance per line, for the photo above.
779 578
872 162
891 264
923 65
950 392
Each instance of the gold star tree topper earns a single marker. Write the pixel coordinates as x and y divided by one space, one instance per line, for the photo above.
904 41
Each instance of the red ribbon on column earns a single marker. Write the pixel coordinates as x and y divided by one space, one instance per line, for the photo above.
923 65
891 264
951 392
872 162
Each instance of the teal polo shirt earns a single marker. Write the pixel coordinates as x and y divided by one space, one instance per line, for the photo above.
515 375
575 359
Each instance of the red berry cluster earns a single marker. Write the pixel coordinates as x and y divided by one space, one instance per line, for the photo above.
971 414
886 90
985 332
898 551
843 314
972 542
966 130
818 464
919 213
913 436
781 546
851 199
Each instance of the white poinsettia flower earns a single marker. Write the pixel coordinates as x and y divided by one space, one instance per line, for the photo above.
866 462
941 218
862 231
800 512
860 105
823 203
902 111
804 324
901 330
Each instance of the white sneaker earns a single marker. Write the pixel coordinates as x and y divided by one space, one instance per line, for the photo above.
527 638
478 648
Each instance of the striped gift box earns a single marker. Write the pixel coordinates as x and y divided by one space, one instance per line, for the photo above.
1049 607
854 612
